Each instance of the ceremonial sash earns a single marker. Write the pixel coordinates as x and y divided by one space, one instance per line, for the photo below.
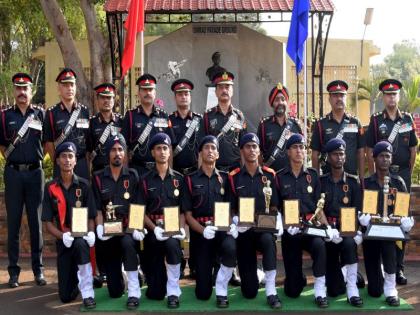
68 127
280 144
187 136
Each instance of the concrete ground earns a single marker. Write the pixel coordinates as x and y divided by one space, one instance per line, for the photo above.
30 299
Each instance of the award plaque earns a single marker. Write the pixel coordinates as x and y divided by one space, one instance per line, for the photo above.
171 221
246 212
135 218
79 222
348 225
370 202
386 232
112 226
222 216
291 213
402 204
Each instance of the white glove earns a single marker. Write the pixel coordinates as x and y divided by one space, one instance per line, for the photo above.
235 220
139 236
279 225
358 239
90 238
364 219
67 239
293 230
233 231
159 234
243 229
180 236
100 233
209 232
330 234
407 223
336 239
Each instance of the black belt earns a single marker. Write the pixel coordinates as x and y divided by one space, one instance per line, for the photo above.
188 170
24 167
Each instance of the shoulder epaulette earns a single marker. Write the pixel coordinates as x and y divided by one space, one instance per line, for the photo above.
197 114
269 170
234 172
377 114
264 119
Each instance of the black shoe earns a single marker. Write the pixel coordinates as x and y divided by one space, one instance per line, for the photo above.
360 281
273 301
13 282
97 282
355 301
401 279
173 301
321 302
89 303
222 301
393 300
132 303
40 280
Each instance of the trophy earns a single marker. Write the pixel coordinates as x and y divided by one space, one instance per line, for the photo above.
112 226
317 224
387 227
266 222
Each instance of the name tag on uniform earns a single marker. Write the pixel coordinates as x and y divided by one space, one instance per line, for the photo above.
82 123
36 124
161 123
405 128
351 128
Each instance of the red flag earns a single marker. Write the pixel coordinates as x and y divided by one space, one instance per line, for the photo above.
134 24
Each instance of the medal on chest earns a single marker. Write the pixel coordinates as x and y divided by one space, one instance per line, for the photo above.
345 198
176 185
126 185
78 195
222 190
309 180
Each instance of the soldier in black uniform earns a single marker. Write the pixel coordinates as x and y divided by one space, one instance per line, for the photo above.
249 181
205 187
398 128
117 185
185 125
68 121
379 251
21 145
162 187
142 123
299 182
225 122
61 195
341 190
274 130
339 124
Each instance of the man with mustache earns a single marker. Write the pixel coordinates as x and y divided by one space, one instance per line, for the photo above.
274 130
21 145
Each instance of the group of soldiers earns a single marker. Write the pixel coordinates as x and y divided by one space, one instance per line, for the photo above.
192 161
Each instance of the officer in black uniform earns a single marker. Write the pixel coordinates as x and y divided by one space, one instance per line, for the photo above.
142 123
162 187
377 252
117 186
274 130
21 145
302 183
398 128
104 125
68 121
225 122
61 195
341 190
205 187
185 125
339 124
249 181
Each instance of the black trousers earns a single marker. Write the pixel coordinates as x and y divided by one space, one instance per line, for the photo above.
24 188
119 250
339 255
81 169
292 248
155 253
374 253
206 253
67 261
248 244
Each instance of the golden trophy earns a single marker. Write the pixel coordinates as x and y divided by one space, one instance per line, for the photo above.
318 223
266 222
112 226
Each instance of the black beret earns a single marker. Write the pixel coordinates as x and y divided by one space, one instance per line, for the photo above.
295 138
159 138
335 144
208 139
382 146
248 137
65 147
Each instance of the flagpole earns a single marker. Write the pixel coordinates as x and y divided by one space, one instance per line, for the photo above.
141 52
305 105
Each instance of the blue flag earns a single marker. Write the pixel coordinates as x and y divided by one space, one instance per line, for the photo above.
298 32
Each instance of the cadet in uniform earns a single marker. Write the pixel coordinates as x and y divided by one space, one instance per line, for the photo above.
142 123
21 145
117 186
162 187
205 187
225 122
377 252
299 182
249 181
341 190
339 124
68 121
61 195
274 130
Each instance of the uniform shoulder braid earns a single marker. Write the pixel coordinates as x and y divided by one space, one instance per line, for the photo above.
269 170
234 172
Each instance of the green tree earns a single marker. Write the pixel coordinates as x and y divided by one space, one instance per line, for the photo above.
411 99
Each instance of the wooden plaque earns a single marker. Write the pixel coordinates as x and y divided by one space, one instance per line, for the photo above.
222 215
171 221
370 202
79 222
246 211
291 213
402 204
348 223
136 218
